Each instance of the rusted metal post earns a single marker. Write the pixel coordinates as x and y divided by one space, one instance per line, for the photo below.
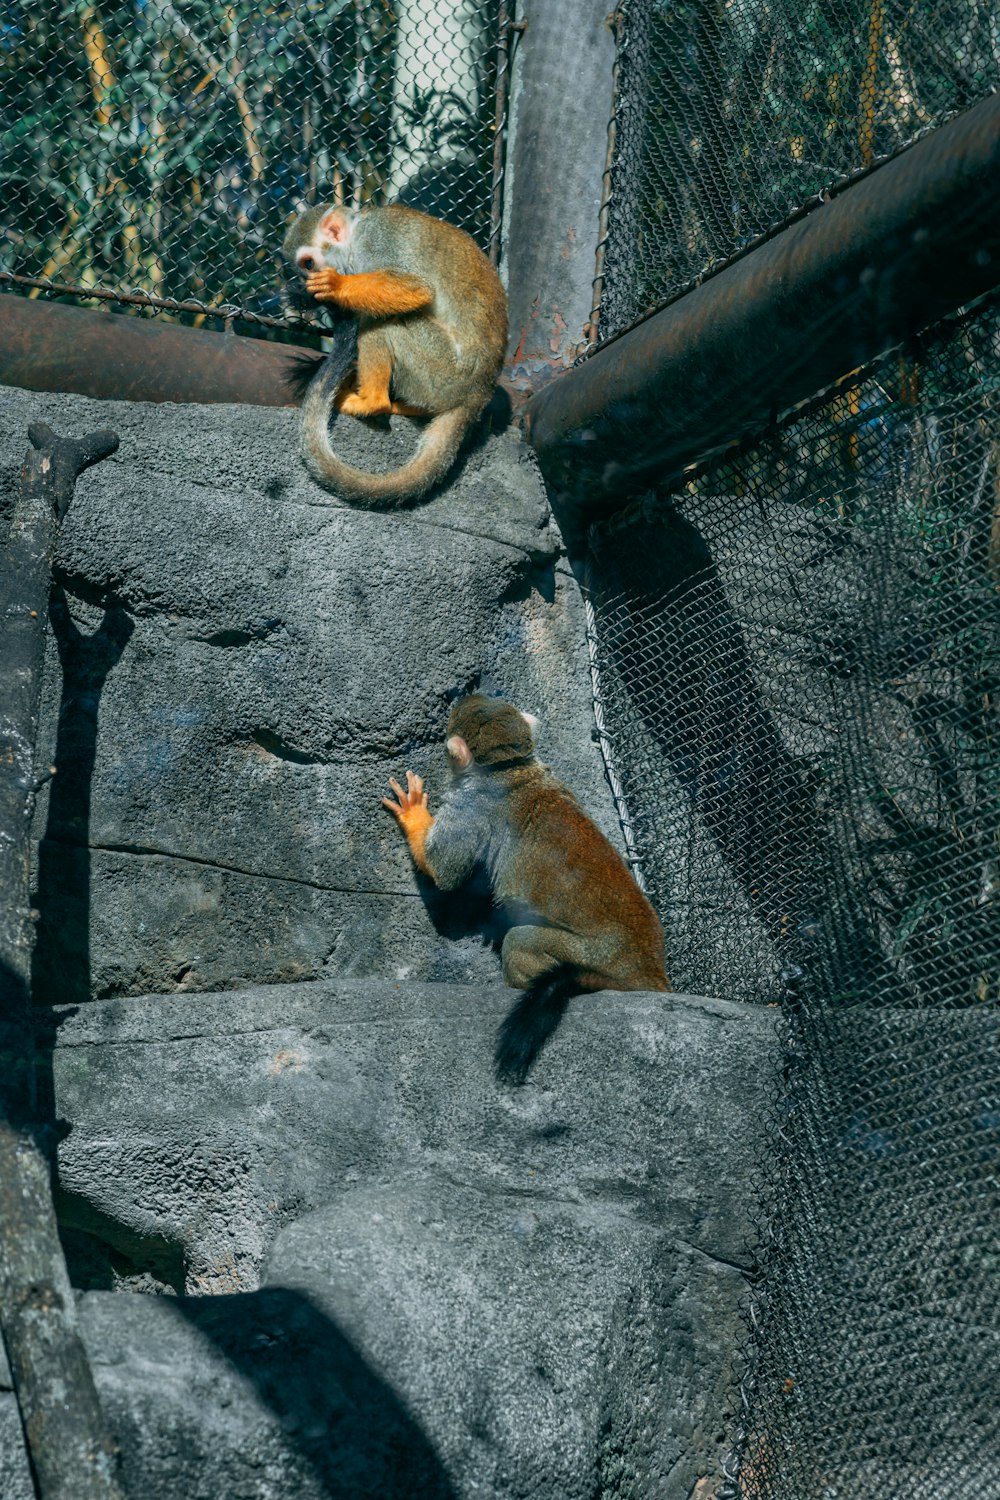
889 255
507 30
71 1456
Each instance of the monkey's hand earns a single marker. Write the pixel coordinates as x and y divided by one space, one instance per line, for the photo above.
324 284
414 817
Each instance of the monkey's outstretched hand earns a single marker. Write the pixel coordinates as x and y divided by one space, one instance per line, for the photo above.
372 294
413 815
411 803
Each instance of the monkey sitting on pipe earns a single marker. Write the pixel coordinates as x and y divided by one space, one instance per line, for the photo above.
580 921
422 316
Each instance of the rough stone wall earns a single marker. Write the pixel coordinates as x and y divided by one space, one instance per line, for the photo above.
374 1272
244 661
421 1283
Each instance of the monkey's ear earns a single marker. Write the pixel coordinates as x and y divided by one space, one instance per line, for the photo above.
531 721
336 226
458 750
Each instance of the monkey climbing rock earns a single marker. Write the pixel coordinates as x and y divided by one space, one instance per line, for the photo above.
580 922
430 317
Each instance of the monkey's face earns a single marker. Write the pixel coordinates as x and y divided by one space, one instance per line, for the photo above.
321 238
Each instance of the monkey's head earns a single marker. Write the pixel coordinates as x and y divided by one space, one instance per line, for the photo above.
489 732
319 238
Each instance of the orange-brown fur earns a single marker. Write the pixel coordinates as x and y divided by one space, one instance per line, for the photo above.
371 294
572 876
576 910
414 817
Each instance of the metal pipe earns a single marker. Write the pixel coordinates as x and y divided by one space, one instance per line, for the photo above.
553 179
867 269
47 346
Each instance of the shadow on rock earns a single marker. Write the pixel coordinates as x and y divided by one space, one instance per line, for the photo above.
468 912
332 1407
61 959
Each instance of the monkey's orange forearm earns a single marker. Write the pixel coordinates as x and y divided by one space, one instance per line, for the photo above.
373 294
417 824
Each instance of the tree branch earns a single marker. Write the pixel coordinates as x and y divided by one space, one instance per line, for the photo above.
71 1455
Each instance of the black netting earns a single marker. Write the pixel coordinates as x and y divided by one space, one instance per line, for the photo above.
798 666
157 149
731 114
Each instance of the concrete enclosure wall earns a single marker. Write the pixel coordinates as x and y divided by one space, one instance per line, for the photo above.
244 662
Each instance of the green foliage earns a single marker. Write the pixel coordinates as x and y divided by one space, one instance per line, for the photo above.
914 494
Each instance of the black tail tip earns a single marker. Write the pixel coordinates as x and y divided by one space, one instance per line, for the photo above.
298 373
514 1054
530 1022
333 367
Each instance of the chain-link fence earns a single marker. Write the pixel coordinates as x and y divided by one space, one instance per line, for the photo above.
154 151
798 666
732 114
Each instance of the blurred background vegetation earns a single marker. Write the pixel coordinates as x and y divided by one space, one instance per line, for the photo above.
734 114
157 148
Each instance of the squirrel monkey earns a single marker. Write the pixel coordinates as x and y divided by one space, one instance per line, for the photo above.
580 921
431 336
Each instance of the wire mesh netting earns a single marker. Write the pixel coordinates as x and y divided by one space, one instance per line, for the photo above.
798 662
731 114
157 150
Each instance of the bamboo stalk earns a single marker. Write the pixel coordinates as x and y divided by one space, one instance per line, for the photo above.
230 76
866 132
248 120
96 50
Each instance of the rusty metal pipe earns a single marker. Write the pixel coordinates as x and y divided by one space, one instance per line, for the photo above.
46 346
886 257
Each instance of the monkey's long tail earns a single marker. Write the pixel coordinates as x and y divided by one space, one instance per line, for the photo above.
530 1022
436 452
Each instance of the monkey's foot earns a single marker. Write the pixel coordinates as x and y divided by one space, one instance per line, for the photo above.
357 404
324 284
403 409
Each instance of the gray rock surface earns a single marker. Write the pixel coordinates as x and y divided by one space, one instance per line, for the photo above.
15 1475
244 661
379 1274
528 1293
